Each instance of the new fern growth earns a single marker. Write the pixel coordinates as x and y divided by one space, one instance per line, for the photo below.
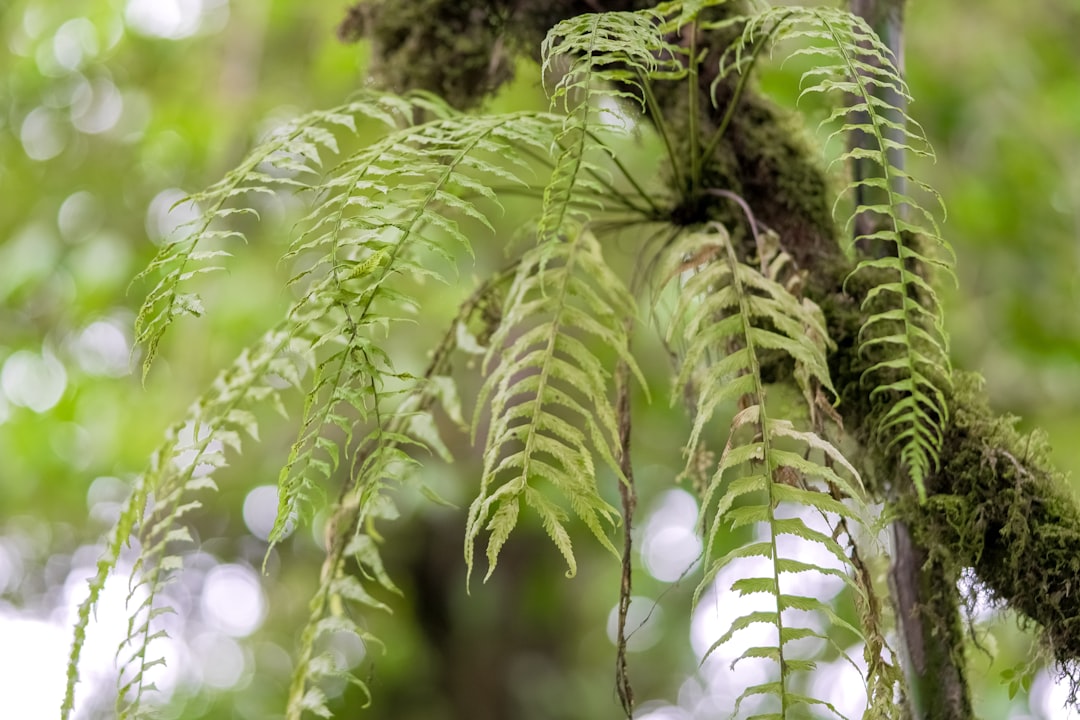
414 203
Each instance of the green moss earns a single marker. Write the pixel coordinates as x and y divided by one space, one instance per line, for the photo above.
999 507
452 48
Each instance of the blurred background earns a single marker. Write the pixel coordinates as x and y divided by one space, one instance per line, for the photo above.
112 110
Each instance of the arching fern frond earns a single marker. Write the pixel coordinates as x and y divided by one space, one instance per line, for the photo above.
181 467
729 314
384 457
386 212
619 49
389 212
285 160
549 393
904 336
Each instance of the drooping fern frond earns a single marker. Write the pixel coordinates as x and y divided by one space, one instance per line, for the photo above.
904 336
550 403
705 321
549 394
729 314
163 495
291 155
384 213
382 459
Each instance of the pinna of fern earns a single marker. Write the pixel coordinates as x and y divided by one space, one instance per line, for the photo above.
549 394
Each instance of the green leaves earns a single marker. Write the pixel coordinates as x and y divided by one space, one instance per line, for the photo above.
284 160
904 336
382 215
549 394
728 315
404 208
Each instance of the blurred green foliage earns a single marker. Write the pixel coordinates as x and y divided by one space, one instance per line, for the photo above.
110 111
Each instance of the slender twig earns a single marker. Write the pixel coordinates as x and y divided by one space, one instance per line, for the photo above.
628 494
695 92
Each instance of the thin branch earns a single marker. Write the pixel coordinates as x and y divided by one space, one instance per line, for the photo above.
628 494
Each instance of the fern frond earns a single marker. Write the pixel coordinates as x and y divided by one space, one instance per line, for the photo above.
385 212
379 462
118 539
284 160
182 467
707 317
729 313
904 335
619 49
597 57
549 396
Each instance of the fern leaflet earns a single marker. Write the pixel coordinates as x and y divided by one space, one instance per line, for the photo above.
283 160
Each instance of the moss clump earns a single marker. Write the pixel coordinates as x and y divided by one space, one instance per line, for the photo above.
780 179
460 50
997 506
763 157
452 48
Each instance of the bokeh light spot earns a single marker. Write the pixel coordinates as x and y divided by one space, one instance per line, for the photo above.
105 498
80 215
75 42
671 545
260 511
33 381
103 349
642 623
232 600
170 19
42 135
162 219
32 679
221 660
97 106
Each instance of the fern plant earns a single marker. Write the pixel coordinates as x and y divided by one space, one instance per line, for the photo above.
413 204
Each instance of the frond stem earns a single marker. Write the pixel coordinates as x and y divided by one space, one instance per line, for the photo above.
736 95
628 494
614 193
694 99
628 175
655 111
745 314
